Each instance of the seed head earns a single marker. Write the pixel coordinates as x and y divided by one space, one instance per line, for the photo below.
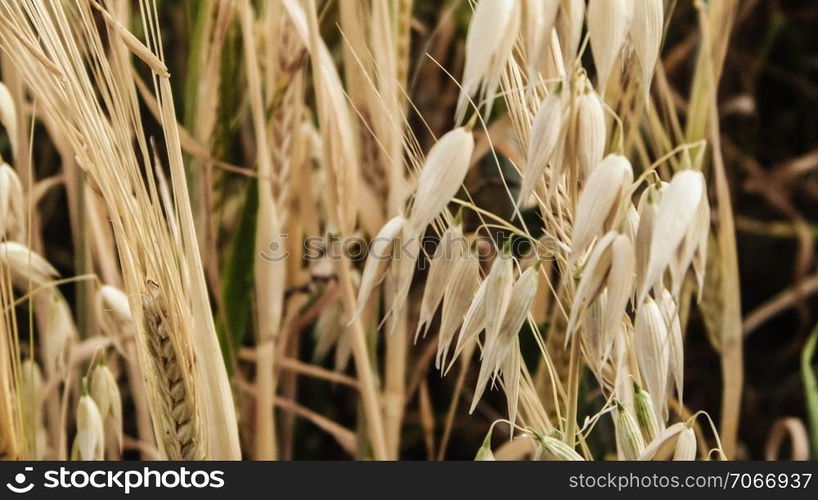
600 201
629 440
546 132
489 43
591 132
652 350
646 36
608 24
89 443
685 445
440 178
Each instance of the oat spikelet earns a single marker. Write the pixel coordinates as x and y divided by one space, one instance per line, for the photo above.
620 280
608 24
440 179
546 132
685 446
8 116
671 315
12 204
675 215
539 18
600 201
552 449
443 264
105 392
646 37
653 351
465 280
178 426
663 446
569 28
489 42
629 441
378 259
25 265
89 443
590 132
592 281
646 415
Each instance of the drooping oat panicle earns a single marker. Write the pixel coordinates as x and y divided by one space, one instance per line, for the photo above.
489 42
8 116
675 215
440 178
600 201
590 133
629 441
378 259
608 24
89 443
652 347
646 37
546 132
685 445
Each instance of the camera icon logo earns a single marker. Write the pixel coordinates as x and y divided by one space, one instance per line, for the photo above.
20 485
